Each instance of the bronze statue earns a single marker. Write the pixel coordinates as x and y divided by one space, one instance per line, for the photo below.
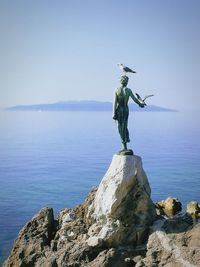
121 112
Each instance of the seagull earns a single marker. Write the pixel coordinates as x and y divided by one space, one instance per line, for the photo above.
143 100
125 69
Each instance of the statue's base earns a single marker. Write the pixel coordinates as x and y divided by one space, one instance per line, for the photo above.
122 208
125 152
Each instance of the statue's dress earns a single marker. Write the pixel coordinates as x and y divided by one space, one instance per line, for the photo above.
122 113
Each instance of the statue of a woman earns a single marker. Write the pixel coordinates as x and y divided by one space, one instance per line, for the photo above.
121 112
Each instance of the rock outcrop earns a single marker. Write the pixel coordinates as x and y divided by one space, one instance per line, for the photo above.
119 213
112 228
33 240
122 208
173 243
50 243
169 207
193 209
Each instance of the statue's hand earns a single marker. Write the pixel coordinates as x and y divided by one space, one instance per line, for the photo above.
142 105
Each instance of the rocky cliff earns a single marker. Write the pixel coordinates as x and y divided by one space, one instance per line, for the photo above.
116 226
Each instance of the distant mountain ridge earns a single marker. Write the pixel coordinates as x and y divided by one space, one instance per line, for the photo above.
83 105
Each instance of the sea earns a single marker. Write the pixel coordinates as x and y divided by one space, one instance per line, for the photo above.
53 159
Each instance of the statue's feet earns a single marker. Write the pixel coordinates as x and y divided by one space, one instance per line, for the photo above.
125 152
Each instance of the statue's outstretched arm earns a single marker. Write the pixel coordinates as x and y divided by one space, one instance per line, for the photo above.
136 100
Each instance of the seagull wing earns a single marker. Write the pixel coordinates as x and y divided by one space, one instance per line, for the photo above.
147 96
126 69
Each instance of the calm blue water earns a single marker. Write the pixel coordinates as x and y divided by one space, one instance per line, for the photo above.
54 158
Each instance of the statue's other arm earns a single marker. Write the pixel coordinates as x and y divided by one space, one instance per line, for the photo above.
135 99
114 106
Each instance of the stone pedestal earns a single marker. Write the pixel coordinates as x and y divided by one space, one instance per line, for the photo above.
122 205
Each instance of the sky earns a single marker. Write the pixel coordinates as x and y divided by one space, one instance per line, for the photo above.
60 50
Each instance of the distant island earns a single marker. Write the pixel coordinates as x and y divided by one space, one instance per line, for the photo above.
83 105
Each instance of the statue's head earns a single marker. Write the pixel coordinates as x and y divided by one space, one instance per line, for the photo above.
124 80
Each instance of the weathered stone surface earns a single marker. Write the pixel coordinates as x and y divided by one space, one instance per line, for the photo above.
169 207
179 248
94 241
124 175
33 240
122 205
108 258
193 209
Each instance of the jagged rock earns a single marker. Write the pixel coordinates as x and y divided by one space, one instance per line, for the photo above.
122 205
94 241
137 259
129 262
33 240
169 207
193 209
69 217
118 213
178 248
124 175
47 242
108 258
178 224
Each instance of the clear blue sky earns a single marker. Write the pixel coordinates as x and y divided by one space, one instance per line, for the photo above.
68 50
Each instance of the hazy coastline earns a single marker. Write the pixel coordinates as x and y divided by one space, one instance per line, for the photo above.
84 105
